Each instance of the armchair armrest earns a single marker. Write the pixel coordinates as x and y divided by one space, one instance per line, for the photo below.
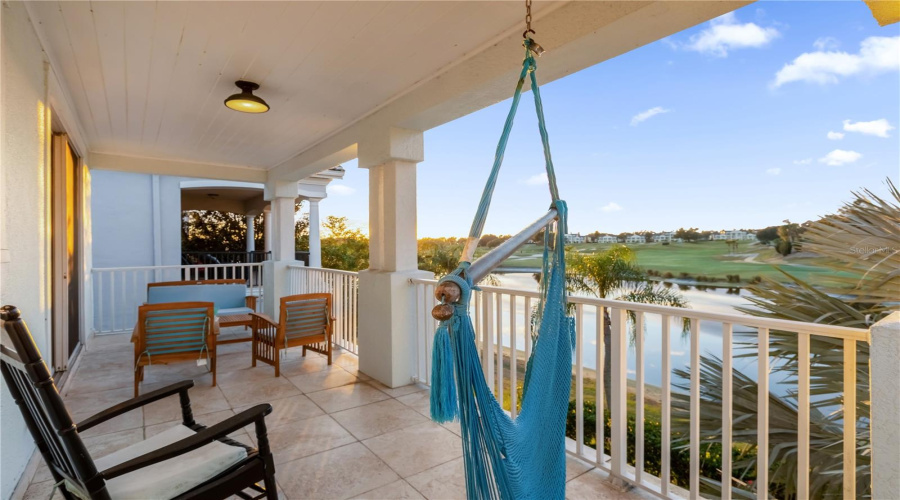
250 301
265 318
134 403
256 414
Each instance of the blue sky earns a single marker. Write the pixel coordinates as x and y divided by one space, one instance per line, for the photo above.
774 112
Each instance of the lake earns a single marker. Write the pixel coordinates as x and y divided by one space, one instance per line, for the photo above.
712 299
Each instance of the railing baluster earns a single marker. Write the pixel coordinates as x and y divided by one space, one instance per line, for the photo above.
695 410
513 359
527 328
599 387
499 319
434 323
727 393
849 418
803 416
485 360
489 338
100 317
421 322
428 333
639 397
579 379
666 409
762 427
618 400
112 295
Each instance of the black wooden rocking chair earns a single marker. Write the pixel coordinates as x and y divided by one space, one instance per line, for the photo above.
187 461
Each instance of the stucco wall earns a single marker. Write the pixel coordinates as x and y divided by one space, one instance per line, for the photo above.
136 222
123 219
23 129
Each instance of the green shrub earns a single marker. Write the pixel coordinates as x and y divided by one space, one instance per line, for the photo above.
680 459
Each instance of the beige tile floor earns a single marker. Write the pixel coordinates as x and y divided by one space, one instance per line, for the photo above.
335 432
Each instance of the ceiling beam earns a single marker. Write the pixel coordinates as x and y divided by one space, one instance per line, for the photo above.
576 35
178 168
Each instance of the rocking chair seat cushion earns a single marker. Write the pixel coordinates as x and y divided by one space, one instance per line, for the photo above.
172 477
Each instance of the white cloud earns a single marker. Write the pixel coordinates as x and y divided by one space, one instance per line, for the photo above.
835 136
840 157
341 189
774 171
805 161
611 207
537 180
878 128
826 43
877 54
725 33
646 115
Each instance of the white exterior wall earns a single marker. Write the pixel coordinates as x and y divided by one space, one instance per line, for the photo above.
129 227
24 211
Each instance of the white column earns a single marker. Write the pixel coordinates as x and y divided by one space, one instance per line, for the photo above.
267 229
251 233
283 228
387 307
282 197
315 241
884 385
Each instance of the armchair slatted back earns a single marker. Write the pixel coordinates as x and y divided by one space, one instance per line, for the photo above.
35 393
175 327
305 315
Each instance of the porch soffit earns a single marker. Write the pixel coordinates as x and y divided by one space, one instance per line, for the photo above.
147 79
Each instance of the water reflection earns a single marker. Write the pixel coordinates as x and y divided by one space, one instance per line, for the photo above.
707 299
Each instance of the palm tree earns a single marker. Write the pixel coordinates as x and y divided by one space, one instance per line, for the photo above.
615 273
862 242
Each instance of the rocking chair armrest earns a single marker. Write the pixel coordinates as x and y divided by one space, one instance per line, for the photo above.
202 438
134 403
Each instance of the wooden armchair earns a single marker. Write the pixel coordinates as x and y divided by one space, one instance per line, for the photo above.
229 295
305 320
171 333
188 460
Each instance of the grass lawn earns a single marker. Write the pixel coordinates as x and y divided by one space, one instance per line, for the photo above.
707 258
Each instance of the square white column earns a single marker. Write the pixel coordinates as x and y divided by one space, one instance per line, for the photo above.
884 387
282 197
387 307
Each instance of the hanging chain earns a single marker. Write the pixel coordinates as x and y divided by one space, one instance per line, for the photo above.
527 20
533 46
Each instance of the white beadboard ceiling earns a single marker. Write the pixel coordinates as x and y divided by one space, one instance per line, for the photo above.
148 78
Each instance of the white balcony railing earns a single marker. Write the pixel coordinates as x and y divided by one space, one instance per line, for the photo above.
344 287
118 291
501 317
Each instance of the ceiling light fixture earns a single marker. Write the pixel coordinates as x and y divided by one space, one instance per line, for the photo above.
246 102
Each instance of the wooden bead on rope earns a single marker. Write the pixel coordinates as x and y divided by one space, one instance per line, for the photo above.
442 312
447 292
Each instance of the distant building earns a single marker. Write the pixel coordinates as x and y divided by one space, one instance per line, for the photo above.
734 234
574 238
664 237
635 238
607 239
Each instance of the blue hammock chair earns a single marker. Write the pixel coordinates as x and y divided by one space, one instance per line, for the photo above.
505 458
